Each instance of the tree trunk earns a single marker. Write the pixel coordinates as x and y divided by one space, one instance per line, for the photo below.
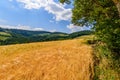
117 4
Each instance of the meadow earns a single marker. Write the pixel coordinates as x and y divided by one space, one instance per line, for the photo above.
54 60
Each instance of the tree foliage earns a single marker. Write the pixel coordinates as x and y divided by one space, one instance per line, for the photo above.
65 1
104 15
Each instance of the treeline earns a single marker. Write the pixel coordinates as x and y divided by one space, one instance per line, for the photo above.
24 36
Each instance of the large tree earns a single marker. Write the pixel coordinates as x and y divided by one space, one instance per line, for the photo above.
104 15
116 2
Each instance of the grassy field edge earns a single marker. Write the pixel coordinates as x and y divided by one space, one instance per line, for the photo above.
106 64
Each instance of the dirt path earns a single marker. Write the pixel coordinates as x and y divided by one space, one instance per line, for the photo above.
57 60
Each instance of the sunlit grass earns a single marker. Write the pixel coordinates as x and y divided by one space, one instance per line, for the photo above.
107 67
55 60
4 33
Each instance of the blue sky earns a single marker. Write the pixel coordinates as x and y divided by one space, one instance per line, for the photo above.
48 15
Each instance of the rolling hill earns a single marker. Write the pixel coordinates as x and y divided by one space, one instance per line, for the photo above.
15 36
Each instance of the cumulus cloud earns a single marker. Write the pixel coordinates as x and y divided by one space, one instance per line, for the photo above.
57 9
21 27
75 28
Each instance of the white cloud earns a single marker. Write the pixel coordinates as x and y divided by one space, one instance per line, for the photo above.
75 28
54 30
21 27
38 29
57 9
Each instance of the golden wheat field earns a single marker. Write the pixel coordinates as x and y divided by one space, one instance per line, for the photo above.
55 60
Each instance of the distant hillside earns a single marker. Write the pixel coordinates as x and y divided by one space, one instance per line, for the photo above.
80 33
15 36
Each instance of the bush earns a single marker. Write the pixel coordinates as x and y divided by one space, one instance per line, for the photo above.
106 66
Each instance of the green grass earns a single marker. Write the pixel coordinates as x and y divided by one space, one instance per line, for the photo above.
3 38
4 34
106 64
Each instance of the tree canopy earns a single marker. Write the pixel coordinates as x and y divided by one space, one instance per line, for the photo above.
104 15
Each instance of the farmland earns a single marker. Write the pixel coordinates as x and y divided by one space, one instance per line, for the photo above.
55 60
